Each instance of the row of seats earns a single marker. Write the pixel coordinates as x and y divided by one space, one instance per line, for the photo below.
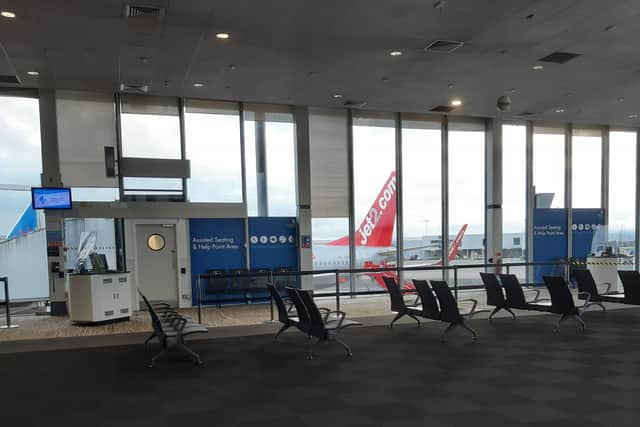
170 328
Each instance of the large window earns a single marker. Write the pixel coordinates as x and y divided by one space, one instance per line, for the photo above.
422 189
586 169
270 161
514 192
23 255
213 149
548 167
467 191
374 155
622 191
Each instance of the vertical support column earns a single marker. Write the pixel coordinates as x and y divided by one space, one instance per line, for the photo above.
243 170
637 234
54 222
568 189
303 192
530 199
445 195
352 221
493 172
399 195
118 124
604 187
183 145
261 165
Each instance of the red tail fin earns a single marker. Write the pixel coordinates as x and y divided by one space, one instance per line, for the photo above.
453 251
377 226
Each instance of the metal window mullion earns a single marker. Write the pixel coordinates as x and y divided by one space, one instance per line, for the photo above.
530 195
118 115
399 195
243 169
637 231
444 137
568 195
351 204
604 183
183 143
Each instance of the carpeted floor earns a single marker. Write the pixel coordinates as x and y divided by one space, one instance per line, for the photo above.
519 373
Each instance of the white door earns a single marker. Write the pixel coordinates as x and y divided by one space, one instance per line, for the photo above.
157 263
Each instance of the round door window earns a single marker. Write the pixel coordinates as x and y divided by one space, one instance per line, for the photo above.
156 242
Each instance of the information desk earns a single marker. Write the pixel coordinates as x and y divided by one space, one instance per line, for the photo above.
99 297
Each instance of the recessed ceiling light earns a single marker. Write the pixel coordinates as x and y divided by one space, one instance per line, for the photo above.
633 116
395 53
33 73
198 85
8 14
456 102
338 95
537 67
621 99
222 36
559 110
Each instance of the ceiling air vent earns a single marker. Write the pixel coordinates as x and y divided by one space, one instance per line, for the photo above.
560 57
443 109
146 12
9 79
443 46
355 104
527 114
131 88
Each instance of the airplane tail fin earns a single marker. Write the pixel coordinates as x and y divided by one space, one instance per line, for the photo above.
377 226
453 251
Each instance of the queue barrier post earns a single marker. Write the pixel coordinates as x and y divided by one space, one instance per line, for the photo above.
6 304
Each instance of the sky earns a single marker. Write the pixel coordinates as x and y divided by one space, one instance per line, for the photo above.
212 145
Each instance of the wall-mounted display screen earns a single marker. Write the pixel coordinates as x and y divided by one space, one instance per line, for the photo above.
51 198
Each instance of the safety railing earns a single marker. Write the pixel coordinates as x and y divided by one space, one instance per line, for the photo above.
450 273
7 307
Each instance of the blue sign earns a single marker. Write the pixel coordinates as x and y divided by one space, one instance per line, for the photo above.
273 243
216 244
550 237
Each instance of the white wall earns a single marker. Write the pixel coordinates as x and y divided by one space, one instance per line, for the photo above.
24 262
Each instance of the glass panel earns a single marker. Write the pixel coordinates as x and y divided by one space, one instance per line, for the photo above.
586 179
84 236
270 156
548 167
20 155
422 193
622 197
151 136
330 252
213 148
374 195
514 195
92 194
466 197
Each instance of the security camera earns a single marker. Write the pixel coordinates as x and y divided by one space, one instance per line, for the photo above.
503 103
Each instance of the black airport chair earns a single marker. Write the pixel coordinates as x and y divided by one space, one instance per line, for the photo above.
587 285
286 315
631 284
171 329
430 309
516 298
562 301
449 311
316 325
495 297
398 304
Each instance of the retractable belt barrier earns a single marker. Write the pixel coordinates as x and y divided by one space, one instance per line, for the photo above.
6 304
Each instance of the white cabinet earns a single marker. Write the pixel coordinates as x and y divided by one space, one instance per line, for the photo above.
99 297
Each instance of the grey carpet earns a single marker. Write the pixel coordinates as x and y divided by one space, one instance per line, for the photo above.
519 373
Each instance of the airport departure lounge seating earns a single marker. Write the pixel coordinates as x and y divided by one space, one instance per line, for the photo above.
398 304
430 309
495 295
449 311
516 299
631 284
562 301
323 326
170 329
286 315
586 284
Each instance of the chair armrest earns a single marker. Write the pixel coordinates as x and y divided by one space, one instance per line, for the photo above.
341 316
587 300
536 298
608 287
414 303
473 307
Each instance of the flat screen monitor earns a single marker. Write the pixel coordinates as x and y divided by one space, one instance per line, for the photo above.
51 198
